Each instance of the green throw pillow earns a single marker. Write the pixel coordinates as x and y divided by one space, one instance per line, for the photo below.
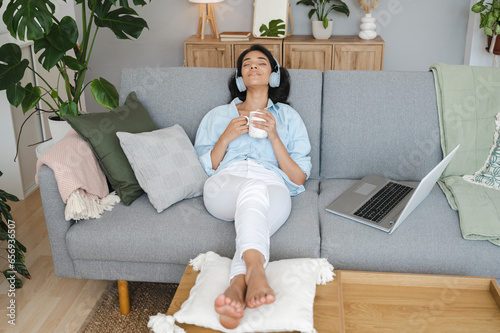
489 174
99 130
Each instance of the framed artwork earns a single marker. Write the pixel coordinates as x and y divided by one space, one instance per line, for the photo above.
270 19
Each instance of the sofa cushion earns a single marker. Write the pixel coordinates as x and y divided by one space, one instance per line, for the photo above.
384 123
99 130
165 165
489 174
137 233
428 241
305 97
188 93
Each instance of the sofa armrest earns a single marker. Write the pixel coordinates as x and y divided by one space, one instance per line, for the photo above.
57 226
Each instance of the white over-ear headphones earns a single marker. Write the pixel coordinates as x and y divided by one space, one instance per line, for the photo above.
274 78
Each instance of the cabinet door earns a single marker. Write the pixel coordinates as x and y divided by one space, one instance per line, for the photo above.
208 55
309 56
358 57
275 50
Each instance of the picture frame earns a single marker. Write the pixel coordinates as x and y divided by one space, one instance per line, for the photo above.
272 19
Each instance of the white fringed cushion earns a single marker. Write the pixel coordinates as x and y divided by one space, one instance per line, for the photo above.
489 174
294 284
165 165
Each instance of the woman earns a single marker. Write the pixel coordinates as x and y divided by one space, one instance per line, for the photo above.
251 180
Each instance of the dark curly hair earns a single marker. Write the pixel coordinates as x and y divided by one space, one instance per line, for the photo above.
278 94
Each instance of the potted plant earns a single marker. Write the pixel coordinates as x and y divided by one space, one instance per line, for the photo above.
490 22
59 44
15 250
322 27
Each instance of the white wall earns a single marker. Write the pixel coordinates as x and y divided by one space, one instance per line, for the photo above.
417 33
476 42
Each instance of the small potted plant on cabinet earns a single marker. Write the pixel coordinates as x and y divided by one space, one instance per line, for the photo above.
490 22
59 44
322 27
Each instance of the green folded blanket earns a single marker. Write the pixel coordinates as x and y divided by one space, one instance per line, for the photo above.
468 100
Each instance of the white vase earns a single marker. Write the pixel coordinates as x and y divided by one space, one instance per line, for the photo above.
368 27
319 31
58 128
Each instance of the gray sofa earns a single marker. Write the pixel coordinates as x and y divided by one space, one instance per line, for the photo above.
359 122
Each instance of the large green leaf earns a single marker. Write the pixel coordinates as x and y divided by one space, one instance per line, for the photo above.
12 67
64 35
15 94
4 235
74 64
479 7
50 55
341 8
20 268
276 29
104 93
311 13
7 196
124 3
124 22
69 108
102 7
20 246
29 19
33 95
306 2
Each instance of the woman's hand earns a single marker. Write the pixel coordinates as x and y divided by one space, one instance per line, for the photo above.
234 129
268 125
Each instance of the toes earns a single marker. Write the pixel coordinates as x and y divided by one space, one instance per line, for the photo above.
225 306
229 322
261 299
221 300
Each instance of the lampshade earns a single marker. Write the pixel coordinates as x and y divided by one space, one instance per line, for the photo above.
206 1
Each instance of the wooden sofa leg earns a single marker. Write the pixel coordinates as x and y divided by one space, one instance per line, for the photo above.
123 297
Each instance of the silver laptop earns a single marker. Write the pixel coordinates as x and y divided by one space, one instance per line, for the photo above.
383 203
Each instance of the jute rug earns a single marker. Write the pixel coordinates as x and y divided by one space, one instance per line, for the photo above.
146 299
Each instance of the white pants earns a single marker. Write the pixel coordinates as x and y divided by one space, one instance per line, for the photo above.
258 201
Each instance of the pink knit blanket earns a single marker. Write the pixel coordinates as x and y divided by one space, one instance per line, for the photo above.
80 180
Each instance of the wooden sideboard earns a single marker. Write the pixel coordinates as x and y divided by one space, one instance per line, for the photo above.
296 51
211 52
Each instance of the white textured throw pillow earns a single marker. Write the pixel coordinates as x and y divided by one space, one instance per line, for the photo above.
294 284
165 165
489 174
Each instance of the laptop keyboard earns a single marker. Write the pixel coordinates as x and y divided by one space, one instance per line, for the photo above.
383 202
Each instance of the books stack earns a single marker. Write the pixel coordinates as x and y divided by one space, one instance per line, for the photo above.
234 36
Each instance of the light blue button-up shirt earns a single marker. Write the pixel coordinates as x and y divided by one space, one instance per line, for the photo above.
291 130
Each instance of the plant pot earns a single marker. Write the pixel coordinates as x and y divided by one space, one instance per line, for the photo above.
368 27
58 128
496 49
319 31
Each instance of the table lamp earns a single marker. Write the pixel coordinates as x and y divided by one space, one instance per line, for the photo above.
207 13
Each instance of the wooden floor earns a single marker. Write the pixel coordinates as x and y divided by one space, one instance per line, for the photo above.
46 303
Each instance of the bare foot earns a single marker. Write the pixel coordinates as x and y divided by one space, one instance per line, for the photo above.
258 290
231 304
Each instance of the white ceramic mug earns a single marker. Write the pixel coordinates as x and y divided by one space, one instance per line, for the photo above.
252 131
